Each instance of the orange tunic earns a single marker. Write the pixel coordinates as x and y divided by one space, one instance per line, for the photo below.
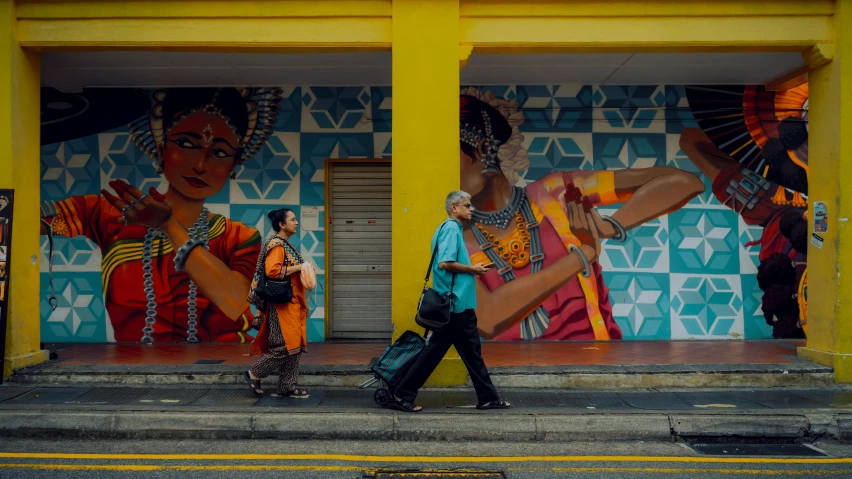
292 316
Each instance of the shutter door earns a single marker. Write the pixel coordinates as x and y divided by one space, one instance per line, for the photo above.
360 212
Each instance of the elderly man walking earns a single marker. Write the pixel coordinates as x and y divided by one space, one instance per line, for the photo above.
452 260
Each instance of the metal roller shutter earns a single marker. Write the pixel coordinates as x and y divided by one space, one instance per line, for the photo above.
360 250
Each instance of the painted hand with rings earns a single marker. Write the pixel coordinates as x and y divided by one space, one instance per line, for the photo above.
138 208
584 220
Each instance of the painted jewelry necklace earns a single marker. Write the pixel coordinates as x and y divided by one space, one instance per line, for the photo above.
198 231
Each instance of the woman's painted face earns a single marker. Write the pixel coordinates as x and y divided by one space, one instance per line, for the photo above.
470 171
200 154
290 224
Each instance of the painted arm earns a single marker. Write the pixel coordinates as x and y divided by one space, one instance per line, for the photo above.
226 288
499 310
650 193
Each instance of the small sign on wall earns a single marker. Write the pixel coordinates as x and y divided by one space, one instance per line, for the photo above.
820 217
6 204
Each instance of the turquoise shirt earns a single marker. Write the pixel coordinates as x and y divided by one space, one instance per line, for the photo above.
451 249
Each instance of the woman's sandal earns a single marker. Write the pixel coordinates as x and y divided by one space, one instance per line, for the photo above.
494 405
254 384
299 394
400 405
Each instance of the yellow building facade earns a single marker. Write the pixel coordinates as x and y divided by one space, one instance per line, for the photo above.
430 41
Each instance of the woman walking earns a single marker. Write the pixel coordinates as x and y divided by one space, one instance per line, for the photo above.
282 337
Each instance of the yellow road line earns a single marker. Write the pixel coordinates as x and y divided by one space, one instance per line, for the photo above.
163 467
421 459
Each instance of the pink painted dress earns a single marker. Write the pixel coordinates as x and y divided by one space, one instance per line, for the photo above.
580 309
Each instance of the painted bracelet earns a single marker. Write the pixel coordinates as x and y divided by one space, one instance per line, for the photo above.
587 268
620 233
183 252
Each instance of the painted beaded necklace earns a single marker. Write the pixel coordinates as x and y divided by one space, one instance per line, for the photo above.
198 231
513 253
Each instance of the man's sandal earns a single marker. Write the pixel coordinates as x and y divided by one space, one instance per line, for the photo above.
494 405
400 405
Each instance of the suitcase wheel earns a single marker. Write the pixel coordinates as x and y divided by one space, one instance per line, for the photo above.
382 396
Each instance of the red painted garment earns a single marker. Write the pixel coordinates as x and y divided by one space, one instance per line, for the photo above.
232 242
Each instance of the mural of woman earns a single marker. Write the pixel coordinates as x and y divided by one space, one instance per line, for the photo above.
532 294
753 146
197 137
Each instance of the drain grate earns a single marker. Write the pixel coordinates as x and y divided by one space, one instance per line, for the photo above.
209 361
170 397
11 392
436 474
790 450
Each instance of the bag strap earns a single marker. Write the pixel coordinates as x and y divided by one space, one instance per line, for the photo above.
432 262
434 253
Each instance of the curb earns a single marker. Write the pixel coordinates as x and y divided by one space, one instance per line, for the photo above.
474 426
798 374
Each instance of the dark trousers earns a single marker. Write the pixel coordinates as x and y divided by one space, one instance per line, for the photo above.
460 332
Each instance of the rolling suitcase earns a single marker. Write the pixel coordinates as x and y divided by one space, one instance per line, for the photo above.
393 363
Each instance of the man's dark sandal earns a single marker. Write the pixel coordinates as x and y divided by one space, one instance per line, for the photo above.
254 384
400 405
495 405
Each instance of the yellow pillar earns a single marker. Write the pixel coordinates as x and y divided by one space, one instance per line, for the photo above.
425 149
830 144
19 169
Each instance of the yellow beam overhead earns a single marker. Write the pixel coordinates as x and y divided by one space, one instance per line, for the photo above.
68 9
644 8
205 26
686 25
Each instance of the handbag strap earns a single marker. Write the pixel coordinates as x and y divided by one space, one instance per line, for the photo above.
432 261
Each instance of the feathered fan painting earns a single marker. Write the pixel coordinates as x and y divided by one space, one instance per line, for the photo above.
766 131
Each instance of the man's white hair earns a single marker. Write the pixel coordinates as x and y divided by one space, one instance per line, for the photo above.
454 197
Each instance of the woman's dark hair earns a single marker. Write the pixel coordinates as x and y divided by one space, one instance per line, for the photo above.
229 101
470 112
793 132
775 269
794 227
775 153
278 216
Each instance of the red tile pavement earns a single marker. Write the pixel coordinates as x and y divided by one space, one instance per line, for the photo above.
496 354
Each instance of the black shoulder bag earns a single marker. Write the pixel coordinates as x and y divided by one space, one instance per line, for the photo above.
275 291
433 311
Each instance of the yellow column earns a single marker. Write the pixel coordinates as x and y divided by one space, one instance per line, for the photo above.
425 149
19 169
830 144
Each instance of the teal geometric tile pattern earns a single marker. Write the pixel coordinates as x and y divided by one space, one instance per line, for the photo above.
640 304
613 151
704 241
706 307
70 168
272 175
646 248
80 315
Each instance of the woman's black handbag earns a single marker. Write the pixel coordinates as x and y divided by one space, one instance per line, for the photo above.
433 310
275 291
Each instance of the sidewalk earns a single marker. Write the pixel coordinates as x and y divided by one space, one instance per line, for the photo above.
556 365
787 415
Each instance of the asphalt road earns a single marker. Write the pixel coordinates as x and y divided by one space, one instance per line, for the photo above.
81 458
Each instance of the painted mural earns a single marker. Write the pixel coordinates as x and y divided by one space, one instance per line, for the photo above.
709 185
739 164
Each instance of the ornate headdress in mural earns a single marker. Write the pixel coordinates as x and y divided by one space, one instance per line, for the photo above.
261 107
511 156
